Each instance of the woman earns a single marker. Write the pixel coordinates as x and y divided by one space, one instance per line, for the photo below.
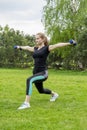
40 73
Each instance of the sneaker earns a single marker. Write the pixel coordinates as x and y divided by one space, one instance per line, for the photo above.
24 106
54 97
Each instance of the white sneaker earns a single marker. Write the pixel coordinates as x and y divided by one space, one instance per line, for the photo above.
54 97
24 106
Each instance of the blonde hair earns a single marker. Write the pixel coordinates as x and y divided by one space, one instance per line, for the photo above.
42 36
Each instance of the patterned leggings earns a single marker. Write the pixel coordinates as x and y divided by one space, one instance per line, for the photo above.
37 79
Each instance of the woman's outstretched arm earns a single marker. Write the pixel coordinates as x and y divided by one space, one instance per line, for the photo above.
52 47
24 48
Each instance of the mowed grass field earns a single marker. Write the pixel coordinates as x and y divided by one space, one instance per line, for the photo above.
68 112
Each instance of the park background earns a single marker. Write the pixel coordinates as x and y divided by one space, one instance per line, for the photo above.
63 20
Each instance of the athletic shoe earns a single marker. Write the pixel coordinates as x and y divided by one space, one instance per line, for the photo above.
24 106
54 97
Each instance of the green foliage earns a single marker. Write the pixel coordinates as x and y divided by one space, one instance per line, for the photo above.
62 16
77 58
64 20
69 112
82 50
10 57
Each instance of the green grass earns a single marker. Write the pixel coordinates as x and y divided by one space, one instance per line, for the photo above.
69 112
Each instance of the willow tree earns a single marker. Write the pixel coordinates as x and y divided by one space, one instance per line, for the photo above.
63 19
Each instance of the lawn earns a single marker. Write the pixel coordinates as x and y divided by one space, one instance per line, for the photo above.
68 112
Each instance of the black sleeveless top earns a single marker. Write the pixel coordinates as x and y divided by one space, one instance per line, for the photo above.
40 57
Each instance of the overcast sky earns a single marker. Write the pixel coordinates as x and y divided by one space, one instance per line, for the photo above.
23 15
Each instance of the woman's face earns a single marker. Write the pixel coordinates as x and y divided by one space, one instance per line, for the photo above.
38 40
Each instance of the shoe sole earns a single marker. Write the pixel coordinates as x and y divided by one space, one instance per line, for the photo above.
23 108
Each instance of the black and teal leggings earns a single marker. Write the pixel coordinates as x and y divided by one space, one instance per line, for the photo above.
37 79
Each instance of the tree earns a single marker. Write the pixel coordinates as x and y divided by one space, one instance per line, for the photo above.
10 57
63 15
64 19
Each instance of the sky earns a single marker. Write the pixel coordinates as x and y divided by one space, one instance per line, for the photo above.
23 15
